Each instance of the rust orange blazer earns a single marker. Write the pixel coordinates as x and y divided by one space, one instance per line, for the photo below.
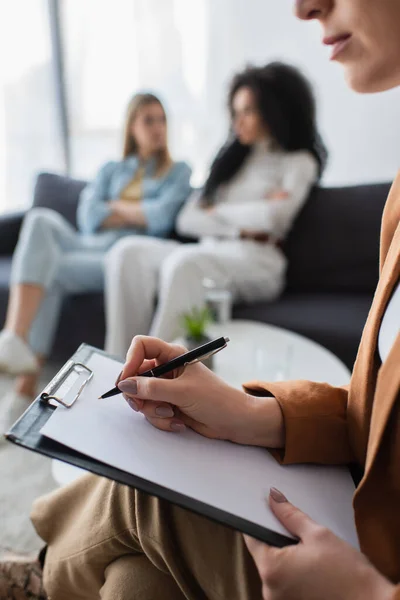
359 423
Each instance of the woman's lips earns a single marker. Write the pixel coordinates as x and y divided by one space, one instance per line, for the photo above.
338 43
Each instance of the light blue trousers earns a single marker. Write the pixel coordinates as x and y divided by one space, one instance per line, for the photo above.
52 254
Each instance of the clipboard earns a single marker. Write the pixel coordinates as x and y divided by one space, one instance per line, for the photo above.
26 433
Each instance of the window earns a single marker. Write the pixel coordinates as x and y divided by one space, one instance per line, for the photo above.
114 48
29 139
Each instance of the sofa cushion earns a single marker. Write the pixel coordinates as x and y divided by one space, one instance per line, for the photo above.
334 320
10 226
82 321
334 243
59 193
5 272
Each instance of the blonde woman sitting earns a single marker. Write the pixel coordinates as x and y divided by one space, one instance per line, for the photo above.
140 195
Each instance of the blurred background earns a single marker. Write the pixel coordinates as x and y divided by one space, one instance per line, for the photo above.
68 68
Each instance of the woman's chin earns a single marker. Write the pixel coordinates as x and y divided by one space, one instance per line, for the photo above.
158 147
371 81
246 140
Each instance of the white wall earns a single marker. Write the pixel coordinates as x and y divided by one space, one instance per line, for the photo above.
187 50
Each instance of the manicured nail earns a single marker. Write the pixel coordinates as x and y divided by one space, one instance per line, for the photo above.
118 378
277 495
164 411
129 386
178 427
132 404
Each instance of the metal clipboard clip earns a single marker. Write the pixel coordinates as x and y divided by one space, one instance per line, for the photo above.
57 382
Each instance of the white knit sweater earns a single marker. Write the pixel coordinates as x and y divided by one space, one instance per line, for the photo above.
243 203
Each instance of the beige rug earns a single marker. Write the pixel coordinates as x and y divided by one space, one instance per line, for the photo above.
24 476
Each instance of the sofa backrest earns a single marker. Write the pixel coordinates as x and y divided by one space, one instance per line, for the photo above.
334 243
59 193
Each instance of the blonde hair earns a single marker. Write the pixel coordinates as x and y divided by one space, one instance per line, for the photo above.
164 160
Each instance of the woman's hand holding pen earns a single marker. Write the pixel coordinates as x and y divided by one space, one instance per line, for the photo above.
195 397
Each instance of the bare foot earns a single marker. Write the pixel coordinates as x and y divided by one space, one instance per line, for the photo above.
21 578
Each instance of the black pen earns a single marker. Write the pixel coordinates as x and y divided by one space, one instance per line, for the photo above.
188 358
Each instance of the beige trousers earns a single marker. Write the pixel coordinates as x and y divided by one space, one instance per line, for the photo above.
109 542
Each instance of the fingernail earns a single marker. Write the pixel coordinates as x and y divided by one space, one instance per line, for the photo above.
129 386
132 404
118 378
178 427
164 411
277 495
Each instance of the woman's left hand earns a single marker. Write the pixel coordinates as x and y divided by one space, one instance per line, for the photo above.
277 194
320 566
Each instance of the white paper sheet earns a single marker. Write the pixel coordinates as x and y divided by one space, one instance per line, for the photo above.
227 476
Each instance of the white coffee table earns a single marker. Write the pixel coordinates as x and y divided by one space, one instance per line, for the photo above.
257 351
269 353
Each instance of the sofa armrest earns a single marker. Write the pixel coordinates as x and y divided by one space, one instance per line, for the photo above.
10 226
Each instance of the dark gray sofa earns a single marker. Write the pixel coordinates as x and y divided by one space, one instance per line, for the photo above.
333 268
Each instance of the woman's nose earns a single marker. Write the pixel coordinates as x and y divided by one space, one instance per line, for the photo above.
312 9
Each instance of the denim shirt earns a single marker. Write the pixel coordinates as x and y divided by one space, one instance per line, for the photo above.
162 196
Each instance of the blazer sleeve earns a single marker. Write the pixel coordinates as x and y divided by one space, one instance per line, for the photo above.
196 222
315 419
276 216
92 207
161 212
396 595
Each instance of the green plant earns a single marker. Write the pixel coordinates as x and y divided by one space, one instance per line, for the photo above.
196 321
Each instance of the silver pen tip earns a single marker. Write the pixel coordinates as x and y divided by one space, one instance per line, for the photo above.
227 340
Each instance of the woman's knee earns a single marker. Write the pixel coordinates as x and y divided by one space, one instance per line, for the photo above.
40 220
183 263
135 572
122 254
